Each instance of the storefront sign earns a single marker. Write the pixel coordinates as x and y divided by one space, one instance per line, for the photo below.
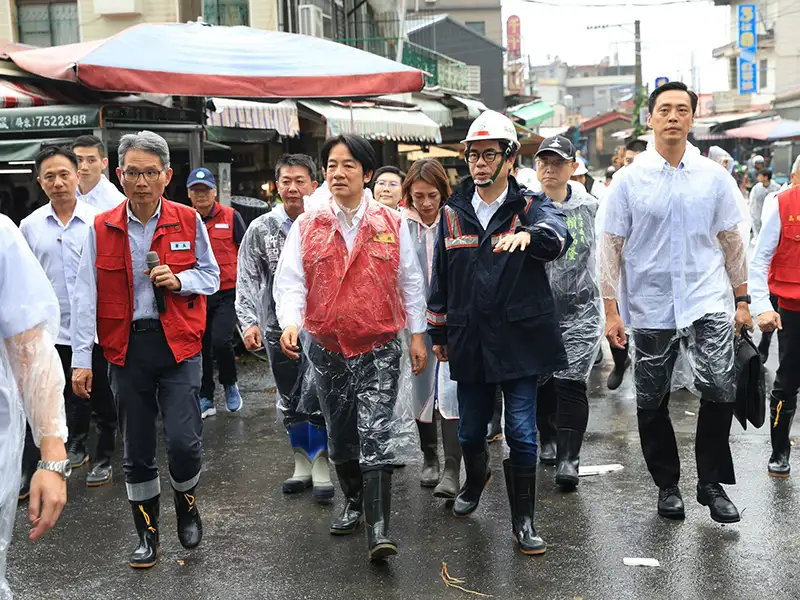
49 118
747 43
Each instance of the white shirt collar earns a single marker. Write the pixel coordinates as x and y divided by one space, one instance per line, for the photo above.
280 213
477 200
82 211
337 210
133 217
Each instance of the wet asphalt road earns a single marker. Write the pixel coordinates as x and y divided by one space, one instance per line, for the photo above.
261 544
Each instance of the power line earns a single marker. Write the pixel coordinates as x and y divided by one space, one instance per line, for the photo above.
621 4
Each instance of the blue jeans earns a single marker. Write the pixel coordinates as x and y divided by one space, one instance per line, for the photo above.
475 406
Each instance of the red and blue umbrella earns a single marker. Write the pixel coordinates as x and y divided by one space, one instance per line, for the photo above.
193 59
767 129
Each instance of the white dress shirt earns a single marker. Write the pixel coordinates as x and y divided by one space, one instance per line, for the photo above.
484 211
104 196
766 244
673 265
290 280
58 248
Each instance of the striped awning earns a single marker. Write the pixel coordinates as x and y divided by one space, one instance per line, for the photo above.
20 95
375 122
245 114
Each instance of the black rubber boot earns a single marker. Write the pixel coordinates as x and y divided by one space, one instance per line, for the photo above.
145 517
494 432
521 487
569 457
352 485
190 527
622 361
781 415
478 477
428 442
377 508
450 482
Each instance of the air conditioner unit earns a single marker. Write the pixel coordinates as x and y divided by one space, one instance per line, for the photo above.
311 20
117 7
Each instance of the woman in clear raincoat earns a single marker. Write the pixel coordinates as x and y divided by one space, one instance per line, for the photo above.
32 383
563 405
425 190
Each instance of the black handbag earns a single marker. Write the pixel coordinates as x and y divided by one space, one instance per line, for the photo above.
751 389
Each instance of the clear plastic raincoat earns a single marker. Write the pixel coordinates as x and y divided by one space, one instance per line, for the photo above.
31 377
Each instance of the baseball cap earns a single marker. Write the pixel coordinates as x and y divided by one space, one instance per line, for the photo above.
201 175
559 145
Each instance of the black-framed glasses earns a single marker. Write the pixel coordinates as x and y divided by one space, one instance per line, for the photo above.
489 156
149 175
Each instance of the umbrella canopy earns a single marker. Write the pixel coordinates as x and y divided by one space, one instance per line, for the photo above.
771 129
192 59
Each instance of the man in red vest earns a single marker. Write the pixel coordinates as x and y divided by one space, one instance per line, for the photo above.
775 268
225 231
150 323
350 277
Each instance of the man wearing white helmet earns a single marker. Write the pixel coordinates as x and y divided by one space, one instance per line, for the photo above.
491 314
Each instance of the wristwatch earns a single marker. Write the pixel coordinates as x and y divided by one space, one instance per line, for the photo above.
62 467
743 299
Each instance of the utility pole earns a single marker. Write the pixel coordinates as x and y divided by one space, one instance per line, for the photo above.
638 42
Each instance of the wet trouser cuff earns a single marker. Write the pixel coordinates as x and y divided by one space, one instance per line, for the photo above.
141 492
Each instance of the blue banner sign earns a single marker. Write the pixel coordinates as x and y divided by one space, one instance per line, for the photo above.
748 45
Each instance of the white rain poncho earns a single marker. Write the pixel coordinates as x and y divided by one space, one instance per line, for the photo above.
31 377
672 250
573 279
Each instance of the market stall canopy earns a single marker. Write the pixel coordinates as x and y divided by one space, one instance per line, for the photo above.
473 107
769 129
193 59
246 114
19 95
532 114
375 121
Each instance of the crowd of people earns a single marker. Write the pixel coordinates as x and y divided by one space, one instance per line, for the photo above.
493 298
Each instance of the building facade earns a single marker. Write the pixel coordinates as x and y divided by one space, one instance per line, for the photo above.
482 16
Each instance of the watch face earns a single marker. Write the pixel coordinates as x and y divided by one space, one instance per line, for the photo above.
67 468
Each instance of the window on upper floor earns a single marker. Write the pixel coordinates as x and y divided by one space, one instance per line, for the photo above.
477 26
226 12
47 22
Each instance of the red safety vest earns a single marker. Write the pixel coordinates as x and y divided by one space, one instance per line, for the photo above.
220 232
784 270
184 322
353 303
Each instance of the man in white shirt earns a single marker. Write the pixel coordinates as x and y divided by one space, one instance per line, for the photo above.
760 191
55 233
350 277
93 186
672 225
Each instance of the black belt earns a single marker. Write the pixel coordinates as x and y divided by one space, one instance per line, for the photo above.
146 325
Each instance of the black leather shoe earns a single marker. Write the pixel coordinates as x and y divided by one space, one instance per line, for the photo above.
377 508
781 415
352 485
101 474
521 488
25 485
145 517
763 347
670 503
76 452
190 526
617 374
569 458
478 477
714 497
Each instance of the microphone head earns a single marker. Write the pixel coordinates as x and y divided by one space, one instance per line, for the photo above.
153 260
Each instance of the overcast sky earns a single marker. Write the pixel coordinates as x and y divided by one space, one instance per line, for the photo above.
669 36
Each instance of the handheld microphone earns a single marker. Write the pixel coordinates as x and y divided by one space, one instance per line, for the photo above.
152 262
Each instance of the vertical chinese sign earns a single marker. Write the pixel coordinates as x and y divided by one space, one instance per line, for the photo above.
514 68
746 41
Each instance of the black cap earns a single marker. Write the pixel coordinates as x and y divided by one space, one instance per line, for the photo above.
559 145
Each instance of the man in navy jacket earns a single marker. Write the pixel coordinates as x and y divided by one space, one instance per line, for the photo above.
491 313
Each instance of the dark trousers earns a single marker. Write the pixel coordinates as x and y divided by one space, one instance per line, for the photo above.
562 404
710 343
297 396
476 405
100 407
357 396
787 377
152 382
218 342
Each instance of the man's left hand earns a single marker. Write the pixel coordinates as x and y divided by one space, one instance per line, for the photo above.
509 243
162 276
419 353
743 318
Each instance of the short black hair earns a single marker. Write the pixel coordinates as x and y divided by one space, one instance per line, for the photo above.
360 148
50 152
388 169
670 86
765 173
296 160
89 141
636 145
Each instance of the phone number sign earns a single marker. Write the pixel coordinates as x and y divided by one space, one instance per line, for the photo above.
42 118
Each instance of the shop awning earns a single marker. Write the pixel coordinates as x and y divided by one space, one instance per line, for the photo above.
474 107
26 150
19 95
374 121
770 129
434 109
532 114
246 114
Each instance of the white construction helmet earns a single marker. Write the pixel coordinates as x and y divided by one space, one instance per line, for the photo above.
491 125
